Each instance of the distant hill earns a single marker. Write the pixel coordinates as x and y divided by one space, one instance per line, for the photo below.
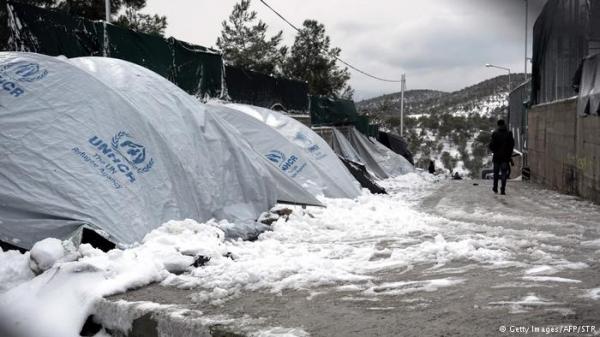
451 128
470 99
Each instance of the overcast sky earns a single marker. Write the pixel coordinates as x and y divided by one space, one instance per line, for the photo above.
439 44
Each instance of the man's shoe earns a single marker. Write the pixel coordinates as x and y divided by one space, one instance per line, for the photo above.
495 190
503 193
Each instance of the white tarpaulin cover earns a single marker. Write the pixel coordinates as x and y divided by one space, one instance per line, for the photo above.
379 160
342 146
148 91
289 158
74 152
314 147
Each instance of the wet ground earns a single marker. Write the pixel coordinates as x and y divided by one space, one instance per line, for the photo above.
549 280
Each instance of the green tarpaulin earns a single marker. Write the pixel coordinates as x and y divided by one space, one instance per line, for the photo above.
326 111
195 69
249 87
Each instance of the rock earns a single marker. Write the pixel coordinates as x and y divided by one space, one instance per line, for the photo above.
201 261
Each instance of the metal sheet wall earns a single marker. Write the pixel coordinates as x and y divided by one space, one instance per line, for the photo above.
517 116
564 34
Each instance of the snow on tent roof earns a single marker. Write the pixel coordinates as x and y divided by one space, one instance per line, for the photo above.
331 168
148 91
281 153
76 153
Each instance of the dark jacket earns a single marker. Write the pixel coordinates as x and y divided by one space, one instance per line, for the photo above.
502 145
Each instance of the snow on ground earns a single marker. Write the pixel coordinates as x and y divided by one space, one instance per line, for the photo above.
344 245
14 269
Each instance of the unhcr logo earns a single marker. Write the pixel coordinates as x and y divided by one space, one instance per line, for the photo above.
125 155
19 71
280 159
276 157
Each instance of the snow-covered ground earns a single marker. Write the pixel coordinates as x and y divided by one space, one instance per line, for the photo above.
366 250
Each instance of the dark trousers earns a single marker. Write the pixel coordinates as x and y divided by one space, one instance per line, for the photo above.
501 171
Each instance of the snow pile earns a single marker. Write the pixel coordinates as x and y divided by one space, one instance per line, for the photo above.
14 269
63 295
46 253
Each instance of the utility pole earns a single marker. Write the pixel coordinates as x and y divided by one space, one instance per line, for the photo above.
107 8
403 87
526 35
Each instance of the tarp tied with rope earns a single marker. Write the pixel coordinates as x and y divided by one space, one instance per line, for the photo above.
195 69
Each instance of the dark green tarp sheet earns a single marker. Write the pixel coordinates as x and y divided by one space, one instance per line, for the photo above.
249 87
326 111
195 69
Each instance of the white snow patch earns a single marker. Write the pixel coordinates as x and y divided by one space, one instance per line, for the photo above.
409 287
525 304
44 254
549 279
592 243
593 294
14 269
281 332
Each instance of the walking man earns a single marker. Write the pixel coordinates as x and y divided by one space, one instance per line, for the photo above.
502 146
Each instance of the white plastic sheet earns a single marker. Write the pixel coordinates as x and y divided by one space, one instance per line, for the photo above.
287 157
314 147
379 160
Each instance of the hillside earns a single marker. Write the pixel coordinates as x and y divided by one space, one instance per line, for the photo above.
450 128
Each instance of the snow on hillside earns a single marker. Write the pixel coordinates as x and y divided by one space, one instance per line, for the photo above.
451 129
484 107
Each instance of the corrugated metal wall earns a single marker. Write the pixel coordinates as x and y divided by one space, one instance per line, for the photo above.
565 32
517 116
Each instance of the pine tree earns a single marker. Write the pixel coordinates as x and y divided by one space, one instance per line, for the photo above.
314 61
144 23
95 10
245 44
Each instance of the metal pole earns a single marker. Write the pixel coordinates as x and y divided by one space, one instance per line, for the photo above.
107 8
509 87
526 35
403 87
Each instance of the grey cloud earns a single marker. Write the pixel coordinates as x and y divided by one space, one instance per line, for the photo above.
440 44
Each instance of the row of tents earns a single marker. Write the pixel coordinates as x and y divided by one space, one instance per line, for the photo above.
103 146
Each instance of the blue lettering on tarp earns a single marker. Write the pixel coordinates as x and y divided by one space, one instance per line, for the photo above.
289 163
96 163
19 71
107 150
122 154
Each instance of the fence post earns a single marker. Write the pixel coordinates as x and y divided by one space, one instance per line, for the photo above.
3 25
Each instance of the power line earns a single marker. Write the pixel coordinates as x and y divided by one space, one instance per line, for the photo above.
337 58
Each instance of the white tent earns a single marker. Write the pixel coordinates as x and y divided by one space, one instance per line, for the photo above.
379 160
314 147
284 155
75 153
148 91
